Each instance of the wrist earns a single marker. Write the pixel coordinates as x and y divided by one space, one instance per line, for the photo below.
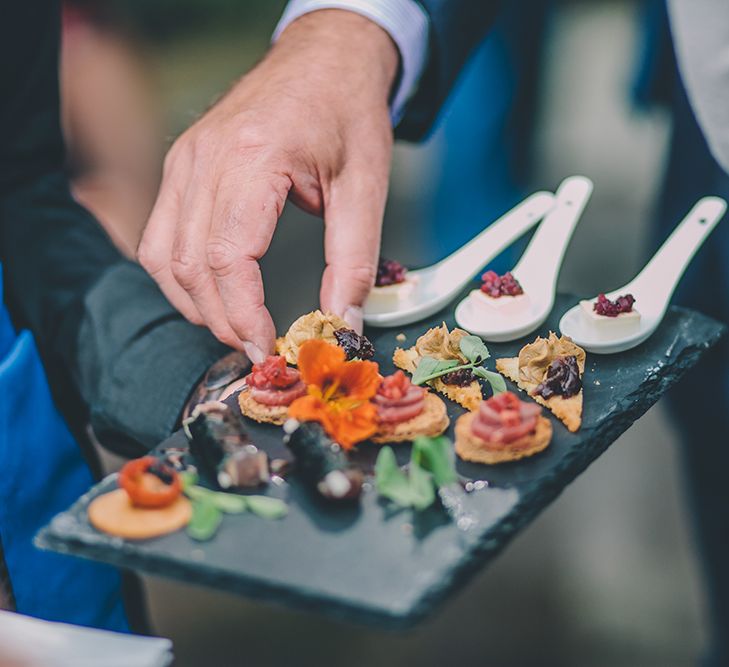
351 49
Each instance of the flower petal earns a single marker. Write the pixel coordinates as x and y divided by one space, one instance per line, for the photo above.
320 361
360 379
311 409
348 427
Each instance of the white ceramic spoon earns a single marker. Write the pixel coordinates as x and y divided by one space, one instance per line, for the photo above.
653 286
537 272
435 286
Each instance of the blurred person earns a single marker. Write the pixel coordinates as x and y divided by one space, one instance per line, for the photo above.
111 120
88 344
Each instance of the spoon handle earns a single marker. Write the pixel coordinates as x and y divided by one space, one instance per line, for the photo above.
458 268
541 261
655 284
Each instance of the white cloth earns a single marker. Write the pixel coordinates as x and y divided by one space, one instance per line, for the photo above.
404 20
34 643
701 36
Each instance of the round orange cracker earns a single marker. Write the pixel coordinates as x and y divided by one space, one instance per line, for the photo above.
114 514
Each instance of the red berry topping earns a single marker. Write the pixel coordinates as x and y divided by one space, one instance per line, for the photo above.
272 373
389 272
623 304
496 286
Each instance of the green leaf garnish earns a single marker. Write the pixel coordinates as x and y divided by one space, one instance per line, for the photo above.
208 506
432 465
266 507
390 481
436 454
473 349
206 518
430 368
497 382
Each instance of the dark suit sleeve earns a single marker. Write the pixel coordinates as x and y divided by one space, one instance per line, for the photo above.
116 352
456 28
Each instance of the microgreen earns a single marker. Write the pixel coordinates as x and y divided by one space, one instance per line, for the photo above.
431 466
206 518
473 348
209 506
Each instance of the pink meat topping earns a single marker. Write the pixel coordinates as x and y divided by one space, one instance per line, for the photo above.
273 383
398 400
503 419
276 397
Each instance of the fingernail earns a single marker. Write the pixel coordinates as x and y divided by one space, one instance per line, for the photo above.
255 354
353 317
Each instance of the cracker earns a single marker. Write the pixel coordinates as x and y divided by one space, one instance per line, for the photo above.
468 396
114 514
567 410
432 421
264 414
312 326
472 448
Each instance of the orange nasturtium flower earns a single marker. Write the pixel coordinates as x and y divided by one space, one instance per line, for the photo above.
339 393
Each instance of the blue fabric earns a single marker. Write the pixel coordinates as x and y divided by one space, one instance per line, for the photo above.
42 472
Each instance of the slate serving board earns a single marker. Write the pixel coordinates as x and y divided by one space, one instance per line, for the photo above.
392 568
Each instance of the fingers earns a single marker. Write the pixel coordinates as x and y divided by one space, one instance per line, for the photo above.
189 264
155 250
244 218
353 226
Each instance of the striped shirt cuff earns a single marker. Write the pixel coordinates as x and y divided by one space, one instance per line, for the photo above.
404 20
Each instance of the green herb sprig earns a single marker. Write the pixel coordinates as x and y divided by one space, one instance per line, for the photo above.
473 348
209 506
432 466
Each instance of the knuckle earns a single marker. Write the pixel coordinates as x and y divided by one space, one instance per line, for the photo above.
150 259
362 275
186 269
222 256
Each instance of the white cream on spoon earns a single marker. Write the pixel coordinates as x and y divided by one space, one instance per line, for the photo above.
652 288
510 317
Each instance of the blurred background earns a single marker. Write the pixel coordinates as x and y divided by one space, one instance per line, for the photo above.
608 574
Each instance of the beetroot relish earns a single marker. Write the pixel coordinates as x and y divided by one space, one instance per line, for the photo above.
623 304
562 379
389 272
273 373
496 286
460 378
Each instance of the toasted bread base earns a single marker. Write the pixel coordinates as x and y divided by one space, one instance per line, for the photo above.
567 410
114 514
432 421
472 448
264 414
469 396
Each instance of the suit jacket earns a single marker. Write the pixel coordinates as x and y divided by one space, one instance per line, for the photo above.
457 27
116 353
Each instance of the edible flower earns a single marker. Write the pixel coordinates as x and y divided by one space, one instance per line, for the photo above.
338 393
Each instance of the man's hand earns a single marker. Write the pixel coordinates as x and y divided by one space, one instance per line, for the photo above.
310 122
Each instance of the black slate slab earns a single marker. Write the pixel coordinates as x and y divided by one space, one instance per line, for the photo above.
373 565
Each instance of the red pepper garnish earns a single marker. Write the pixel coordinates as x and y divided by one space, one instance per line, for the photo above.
150 483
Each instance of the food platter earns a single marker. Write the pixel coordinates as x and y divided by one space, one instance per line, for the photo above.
373 563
